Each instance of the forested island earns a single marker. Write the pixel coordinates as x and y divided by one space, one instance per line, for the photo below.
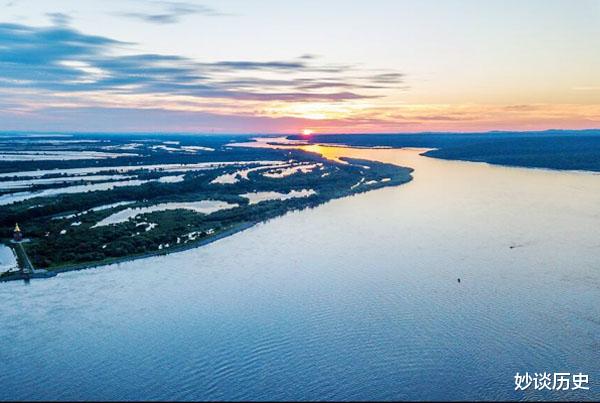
87 200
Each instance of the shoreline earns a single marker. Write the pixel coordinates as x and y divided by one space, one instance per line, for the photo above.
427 150
84 266
21 275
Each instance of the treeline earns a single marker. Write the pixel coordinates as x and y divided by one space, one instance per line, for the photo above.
81 243
147 156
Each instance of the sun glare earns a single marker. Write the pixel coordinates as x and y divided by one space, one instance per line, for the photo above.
307 132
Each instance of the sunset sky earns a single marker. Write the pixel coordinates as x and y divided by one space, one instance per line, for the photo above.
267 66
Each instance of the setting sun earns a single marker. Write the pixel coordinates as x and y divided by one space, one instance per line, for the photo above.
307 132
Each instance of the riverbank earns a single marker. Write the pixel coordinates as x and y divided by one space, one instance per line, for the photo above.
64 241
196 244
363 279
175 249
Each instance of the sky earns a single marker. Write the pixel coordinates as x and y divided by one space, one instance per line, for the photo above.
269 66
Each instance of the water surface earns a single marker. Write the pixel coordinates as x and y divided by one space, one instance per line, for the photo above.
258 197
355 299
8 260
202 206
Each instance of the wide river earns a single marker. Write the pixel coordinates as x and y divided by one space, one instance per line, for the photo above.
355 299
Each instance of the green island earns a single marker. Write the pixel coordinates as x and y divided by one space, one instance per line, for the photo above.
156 195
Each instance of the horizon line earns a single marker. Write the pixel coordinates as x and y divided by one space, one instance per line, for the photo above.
299 133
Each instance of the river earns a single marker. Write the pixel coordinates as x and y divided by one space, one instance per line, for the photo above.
354 299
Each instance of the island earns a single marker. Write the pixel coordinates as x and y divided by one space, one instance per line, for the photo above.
80 201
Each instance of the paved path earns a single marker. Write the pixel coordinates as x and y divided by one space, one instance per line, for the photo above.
27 268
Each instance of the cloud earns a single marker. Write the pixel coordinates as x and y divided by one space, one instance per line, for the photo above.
171 12
145 120
387 78
60 59
34 54
336 84
245 65
521 108
59 18
442 118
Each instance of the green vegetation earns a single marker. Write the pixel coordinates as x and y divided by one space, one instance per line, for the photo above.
62 228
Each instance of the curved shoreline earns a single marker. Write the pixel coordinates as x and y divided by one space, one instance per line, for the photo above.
64 269
196 244
20 275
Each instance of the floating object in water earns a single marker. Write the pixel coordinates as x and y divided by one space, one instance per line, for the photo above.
458 280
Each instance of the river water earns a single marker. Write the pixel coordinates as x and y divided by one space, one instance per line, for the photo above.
355 299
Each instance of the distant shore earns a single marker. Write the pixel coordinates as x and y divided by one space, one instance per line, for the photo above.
565 150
